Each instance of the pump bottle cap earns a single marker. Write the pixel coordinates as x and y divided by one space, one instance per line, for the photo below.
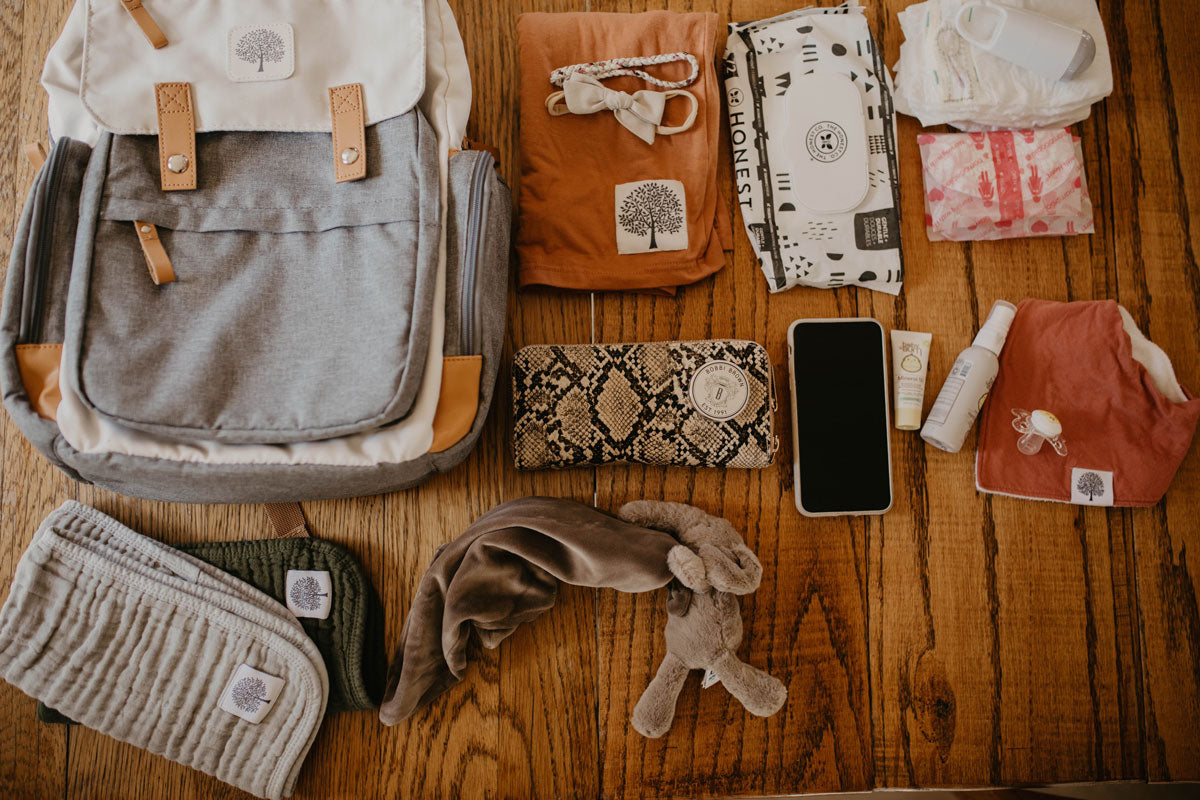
995 330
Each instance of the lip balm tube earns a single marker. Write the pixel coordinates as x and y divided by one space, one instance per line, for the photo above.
910 361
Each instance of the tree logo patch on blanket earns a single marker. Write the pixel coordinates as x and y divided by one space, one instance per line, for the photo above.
309 593
651 217
250 693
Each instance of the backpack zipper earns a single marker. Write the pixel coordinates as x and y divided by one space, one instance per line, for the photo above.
36 273
476 221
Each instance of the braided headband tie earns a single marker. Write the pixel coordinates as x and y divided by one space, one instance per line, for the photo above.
617 67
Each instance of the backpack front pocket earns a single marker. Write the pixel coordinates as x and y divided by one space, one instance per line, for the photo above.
300 307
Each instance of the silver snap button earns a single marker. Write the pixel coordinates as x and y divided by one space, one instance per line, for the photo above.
350 155
145 229
177 163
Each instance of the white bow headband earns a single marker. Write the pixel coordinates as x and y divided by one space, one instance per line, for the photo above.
640 112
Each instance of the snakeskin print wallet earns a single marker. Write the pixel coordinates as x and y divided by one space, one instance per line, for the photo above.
689 404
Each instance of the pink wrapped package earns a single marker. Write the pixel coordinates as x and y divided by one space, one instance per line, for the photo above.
1004 184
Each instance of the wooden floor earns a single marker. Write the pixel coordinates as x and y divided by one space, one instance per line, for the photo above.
959 640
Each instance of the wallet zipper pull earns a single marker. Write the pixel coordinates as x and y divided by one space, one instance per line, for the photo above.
150 29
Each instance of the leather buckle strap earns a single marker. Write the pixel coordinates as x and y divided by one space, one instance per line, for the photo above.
349 132
176 136
150 29
157 260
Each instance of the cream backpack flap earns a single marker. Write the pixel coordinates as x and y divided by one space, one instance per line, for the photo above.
255 266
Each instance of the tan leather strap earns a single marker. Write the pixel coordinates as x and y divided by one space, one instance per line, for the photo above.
38 364
176 136
150 29
349 132
471 144
287 519
458 401
157 260
36 153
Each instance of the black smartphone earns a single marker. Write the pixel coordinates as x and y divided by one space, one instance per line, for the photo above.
840 425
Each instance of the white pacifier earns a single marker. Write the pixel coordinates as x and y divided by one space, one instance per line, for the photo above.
1035 428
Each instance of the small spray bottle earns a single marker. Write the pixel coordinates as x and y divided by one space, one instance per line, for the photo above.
969 381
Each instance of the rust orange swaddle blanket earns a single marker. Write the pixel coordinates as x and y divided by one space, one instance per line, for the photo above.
588 183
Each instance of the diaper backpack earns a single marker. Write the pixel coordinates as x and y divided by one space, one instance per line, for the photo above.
258 263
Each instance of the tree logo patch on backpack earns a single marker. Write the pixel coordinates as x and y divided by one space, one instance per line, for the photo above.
651 217
261 52
309 593
250 693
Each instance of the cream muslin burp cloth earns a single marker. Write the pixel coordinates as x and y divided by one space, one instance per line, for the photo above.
141 642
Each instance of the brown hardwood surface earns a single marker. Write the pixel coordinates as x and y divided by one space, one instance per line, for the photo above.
959 640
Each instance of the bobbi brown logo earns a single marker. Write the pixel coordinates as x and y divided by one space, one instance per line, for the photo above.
719 390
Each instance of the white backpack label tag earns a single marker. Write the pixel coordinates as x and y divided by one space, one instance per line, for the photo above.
261 52
710 678
250 693
309 593
651 217
1091 487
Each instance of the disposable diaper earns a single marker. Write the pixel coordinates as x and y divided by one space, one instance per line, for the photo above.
940 78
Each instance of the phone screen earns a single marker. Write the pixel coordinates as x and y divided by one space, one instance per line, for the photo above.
839 386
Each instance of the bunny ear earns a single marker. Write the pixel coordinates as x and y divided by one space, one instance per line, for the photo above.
732 569
688 567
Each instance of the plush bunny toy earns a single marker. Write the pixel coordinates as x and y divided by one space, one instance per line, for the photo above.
704 623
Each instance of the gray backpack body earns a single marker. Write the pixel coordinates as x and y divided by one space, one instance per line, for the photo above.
319 339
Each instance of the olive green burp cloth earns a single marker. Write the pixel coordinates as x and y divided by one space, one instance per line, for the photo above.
350 638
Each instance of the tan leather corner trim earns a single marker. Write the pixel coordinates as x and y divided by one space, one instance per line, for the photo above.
349 132
458 401
287 520
157 260
471 144
38 364
150 29
176 136
36 153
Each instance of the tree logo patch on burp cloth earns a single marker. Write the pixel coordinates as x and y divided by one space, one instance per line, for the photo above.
309 593
250 693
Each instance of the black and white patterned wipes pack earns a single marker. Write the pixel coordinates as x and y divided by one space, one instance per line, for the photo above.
795 245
